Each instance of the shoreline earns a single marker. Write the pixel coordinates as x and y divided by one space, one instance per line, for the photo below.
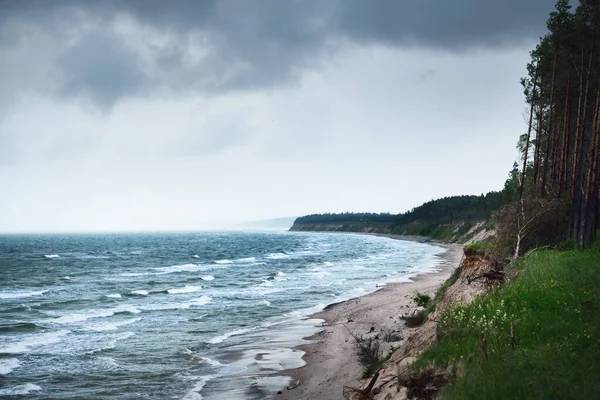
330 356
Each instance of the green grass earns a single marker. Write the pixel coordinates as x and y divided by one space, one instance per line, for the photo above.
554 304
481 245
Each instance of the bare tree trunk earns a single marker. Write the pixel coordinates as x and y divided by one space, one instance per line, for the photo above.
528 137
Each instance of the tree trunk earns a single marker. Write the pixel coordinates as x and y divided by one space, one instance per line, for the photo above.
528 136
564 156
589 222
551 130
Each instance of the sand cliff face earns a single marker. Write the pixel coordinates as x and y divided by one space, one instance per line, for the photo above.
457 232
396 377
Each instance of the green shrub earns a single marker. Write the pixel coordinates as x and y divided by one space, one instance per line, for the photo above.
422 299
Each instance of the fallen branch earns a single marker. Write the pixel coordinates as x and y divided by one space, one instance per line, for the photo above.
361 392
490 276
294 386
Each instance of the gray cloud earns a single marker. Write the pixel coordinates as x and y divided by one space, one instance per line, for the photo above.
244 44
101 67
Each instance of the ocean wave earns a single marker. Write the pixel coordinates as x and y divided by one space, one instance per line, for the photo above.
207 278
93 257
51 256
109 312
91 343
107 363
134 274
223 262
209 361
321 274
7 365
19 294
139 292
262 290
180 268
70 318
194 393
20 390
202 300
277 256
18 326
113 295
185 289
225 336
111 326
42 339
246 259
266 303
166 306
195 256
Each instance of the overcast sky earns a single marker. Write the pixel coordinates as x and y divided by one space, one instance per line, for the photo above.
161 115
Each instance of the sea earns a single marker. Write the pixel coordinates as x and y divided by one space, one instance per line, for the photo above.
205 315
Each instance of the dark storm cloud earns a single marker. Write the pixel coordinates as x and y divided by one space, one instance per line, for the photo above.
100 67
445 24
250 44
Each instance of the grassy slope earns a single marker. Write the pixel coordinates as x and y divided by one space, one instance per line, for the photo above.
554 304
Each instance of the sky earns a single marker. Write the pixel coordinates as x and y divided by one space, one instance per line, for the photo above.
189 115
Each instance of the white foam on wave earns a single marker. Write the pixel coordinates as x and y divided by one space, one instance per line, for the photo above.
89 314
279 276
211 362
179 268
50 256
202 300
41 339
107 362
225 336
8 365
167 270
113 295
194 393
166 306
246 259
139 292
196 256
321 274
207 278
19 294
134 274
185 289
328 263
223 262
262 290
266 283
79 317
277 256
20 390
266 303
112 326
92 343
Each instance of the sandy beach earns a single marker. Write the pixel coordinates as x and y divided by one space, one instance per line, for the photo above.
331 360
